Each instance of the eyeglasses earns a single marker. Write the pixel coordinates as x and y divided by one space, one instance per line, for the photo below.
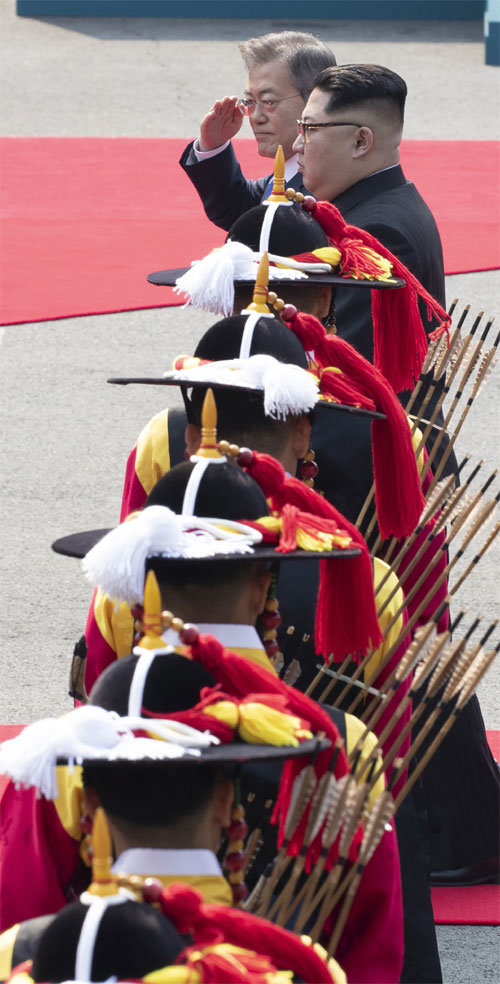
248 106
303 127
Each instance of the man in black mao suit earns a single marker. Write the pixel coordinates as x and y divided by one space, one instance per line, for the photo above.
348 153
282 69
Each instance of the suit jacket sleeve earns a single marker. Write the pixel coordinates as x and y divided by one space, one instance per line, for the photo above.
224 191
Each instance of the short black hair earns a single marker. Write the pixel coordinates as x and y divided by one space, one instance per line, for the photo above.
134 939
151 794
350 86
242 420
302 294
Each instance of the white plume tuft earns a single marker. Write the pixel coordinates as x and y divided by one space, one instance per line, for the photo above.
288 389
87 734
209 284
117 563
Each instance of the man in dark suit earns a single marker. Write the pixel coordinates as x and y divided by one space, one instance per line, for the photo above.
282 69
348 153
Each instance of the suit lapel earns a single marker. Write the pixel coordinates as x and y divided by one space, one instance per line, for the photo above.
295 182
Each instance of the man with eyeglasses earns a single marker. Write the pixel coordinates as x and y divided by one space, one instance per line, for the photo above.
348 153
282 69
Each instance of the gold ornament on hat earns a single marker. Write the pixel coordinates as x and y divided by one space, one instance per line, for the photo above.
103 882
260 290
278 193
208 446
151 623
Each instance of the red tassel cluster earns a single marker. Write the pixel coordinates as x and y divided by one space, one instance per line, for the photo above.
399 498
209 924
294 519
400 342
195 717
346 616
238 676
337 388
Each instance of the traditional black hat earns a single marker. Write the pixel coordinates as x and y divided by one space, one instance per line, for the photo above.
172 529
256 352
297 245
131 940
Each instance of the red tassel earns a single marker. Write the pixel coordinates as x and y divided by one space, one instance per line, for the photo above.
335 387
346 616
184 907
399 498
400 342
239 677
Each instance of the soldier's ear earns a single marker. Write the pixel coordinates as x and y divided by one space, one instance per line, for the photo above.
301 435
90 801
192 438
223 801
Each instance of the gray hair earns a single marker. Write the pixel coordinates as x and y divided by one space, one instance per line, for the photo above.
305 56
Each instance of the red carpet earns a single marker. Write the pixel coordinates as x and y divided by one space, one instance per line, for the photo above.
475 906
85 220
478 905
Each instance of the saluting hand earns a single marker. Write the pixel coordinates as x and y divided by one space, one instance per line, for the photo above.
221 123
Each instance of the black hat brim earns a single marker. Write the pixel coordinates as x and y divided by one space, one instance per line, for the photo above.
168 278
237 752
78 545
204 383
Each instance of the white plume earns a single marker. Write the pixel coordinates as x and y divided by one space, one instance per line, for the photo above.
88 733
288 389
117 563
209 284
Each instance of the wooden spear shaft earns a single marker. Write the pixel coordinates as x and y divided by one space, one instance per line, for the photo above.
438 373
442 430
439 503
488 659
442 666
454 667
478 383
478 523
437 529
432 350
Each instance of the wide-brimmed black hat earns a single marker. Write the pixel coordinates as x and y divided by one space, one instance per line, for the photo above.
293 234
133 939
224 488
224 341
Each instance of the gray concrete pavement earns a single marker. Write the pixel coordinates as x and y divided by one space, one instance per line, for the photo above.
65 433
146 77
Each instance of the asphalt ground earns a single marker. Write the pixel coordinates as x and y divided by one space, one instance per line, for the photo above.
65 433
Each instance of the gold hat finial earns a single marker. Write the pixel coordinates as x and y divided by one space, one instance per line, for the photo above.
208 446
103 882
152 618
278 192
261 286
